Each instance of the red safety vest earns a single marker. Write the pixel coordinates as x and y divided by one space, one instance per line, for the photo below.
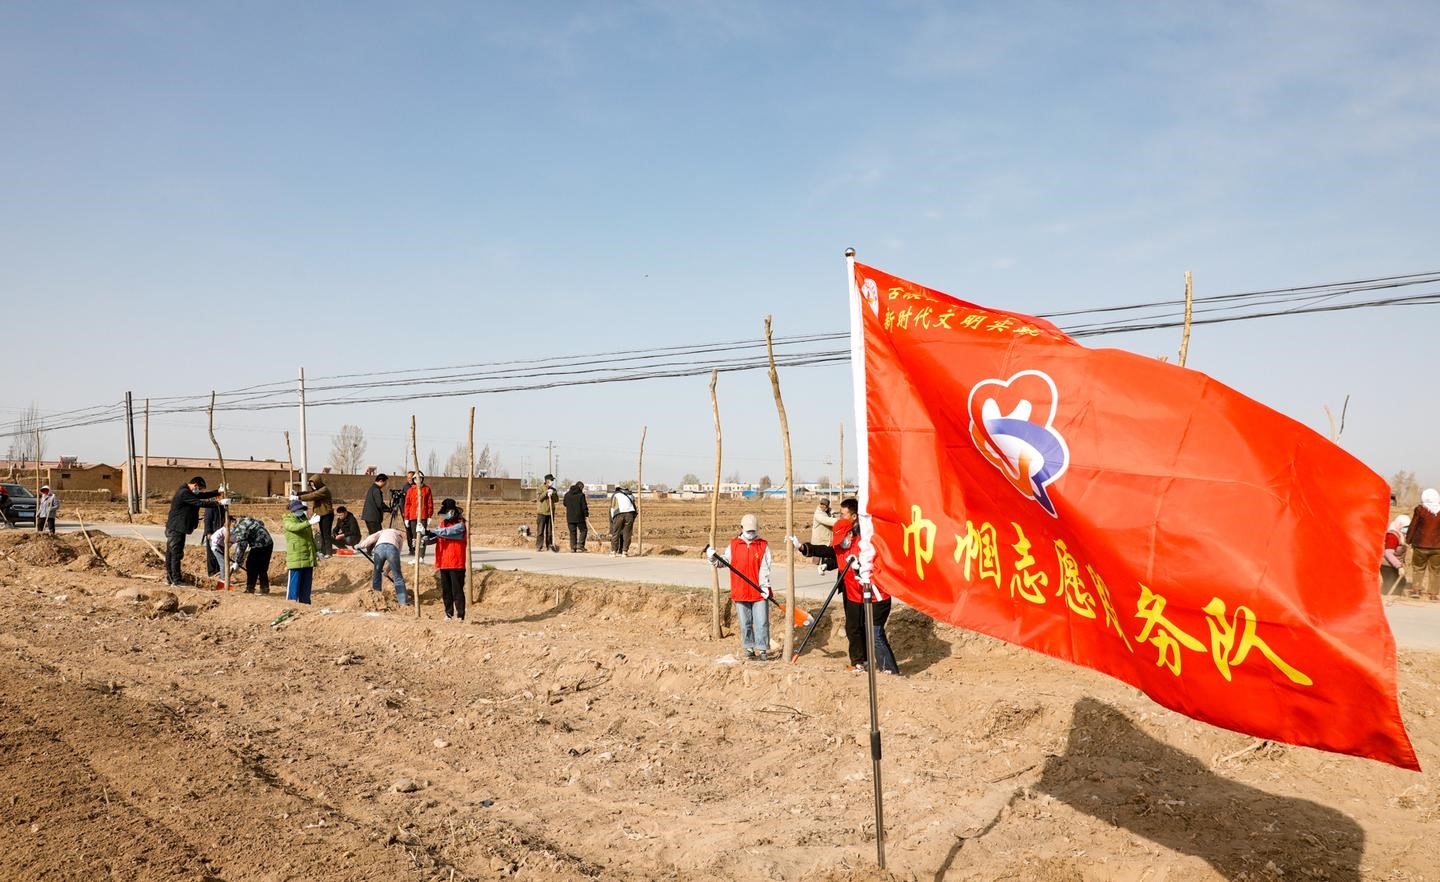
746 557
450 553
843 556
427 504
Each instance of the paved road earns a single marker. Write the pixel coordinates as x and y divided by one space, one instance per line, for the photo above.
1415 625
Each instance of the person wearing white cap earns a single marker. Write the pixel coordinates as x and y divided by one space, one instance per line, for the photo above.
1423 537
45 508
1392 559
749 559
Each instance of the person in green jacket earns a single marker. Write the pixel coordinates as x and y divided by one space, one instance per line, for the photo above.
299 551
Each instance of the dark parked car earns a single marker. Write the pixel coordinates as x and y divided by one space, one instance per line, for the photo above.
22 503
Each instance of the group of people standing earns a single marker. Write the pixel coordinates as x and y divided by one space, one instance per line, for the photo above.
1416 536
548 502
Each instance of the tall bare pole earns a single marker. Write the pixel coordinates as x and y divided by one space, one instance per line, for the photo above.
842 458
419 539
1185 334
639 489
145 464
289 464
715 512
789 497
469 502
129 452
37 468
304 437
225 515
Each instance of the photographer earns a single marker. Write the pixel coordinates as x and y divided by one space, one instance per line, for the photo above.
373 514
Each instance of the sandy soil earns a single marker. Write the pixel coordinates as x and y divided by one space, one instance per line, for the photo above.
591 730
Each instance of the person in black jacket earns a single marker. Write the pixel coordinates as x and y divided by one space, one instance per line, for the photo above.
183 519
345 531
577 510
373 514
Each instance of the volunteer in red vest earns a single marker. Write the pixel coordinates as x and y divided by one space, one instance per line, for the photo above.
419 508
846 541
750 555
449 542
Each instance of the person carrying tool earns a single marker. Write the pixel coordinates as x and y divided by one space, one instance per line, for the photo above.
184 517
345 531
1392 556
419 508
545 499
214 519
254 546
846 539
449 542
622 521
215 543
383 549
299 551
45 508
577 514
749 558
322 506
375 509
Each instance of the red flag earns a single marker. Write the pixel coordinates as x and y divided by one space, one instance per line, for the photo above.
1123 514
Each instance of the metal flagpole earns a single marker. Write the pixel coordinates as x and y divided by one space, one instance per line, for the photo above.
867 530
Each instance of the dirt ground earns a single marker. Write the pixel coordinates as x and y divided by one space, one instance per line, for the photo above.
591 730
668 526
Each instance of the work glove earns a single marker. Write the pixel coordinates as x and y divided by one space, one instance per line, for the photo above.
224 489
224 503
234 566
765 591
710 555
294 498
793 541
315 520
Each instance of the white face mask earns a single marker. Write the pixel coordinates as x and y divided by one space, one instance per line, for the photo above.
751 535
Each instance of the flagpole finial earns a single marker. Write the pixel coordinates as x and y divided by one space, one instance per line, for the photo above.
849 252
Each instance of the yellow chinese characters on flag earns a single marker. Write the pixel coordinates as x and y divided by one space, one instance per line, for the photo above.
1126 515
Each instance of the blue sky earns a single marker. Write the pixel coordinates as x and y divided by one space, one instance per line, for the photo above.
203 196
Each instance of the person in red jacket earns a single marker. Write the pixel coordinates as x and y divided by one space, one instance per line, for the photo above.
846 542
1423 537
449 542
419 508
750 555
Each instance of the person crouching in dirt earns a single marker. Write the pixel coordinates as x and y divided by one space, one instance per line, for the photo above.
45 508
449 542
299 551
215 544
749 557
386 545
846 542
1392 558
345 532
214 520
254 546
577 514
184 517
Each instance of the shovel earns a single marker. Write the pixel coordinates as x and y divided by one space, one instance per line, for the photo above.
801 618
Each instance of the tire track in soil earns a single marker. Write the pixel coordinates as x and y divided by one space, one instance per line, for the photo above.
179 806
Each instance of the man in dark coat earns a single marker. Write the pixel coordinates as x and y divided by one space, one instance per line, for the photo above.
183 519
373 514
577 510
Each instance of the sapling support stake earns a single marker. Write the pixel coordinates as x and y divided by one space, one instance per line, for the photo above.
225 514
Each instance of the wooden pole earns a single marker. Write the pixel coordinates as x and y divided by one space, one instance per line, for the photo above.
469 502
419 540
130 474
225 514
86 533
145 465
289 466
715 630
1185 334
789 624
639 488
38 482
842 460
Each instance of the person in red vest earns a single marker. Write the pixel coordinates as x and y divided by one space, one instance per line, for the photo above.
846 541
750 555
419 508
449 542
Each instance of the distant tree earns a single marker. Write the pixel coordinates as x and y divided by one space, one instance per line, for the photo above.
432 463
629 485
660 488
690 478
22 441
455 465
823 481
347 450
486 462
732 478
1406 489
765 483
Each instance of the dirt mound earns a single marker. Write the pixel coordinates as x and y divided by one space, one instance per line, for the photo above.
38 549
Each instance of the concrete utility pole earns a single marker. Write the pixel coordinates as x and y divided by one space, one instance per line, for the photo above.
130 453
145 464
304 439
550 457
